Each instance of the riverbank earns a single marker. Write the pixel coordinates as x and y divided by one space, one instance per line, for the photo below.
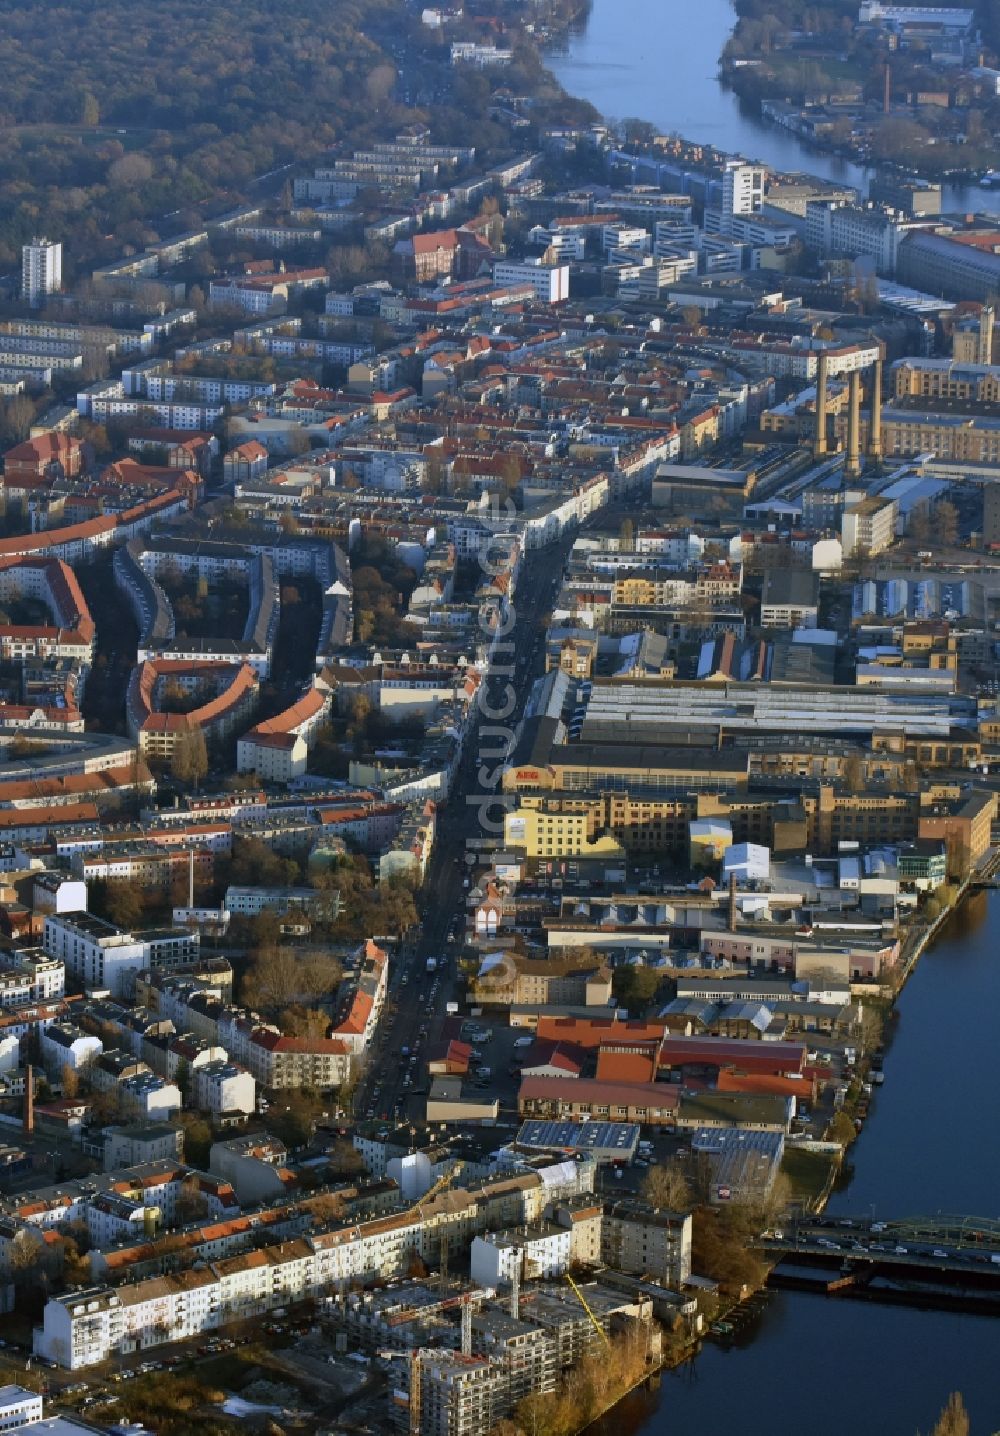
618 61
922 1150
815 72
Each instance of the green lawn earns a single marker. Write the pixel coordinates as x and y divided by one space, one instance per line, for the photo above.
807 1171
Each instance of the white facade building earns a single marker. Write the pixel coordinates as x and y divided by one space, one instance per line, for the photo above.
18 1407
41 270
542 1251
742 188
224 1089
550 282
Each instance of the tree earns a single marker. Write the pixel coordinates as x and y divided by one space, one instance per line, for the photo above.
301 1021
90 110
182 1080
197 1140
130 171
191 1204
279 979
842 1129
918 527
946 523
124 905
635 987
76 1267
954 1419
70 1082
295 1121
16 417
853 773
720 1247
665 1185
626 536
189 760
327 1208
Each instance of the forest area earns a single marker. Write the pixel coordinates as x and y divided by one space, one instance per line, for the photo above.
171 105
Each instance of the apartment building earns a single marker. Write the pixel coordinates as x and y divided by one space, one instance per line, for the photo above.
549 282
510 979
225 1089
18 1407
41 270
856 231
790 599
542 1250
278 1062
869 526
104 956
647 1241
961 265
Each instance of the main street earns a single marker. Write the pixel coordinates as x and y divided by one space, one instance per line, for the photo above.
417 998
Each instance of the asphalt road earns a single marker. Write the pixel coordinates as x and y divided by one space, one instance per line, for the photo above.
416 1002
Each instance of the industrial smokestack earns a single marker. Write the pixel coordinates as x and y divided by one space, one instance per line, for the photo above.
852 468
732 902
191 878
819 444
29 1099
875 427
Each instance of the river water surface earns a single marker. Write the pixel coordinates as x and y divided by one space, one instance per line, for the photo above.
820 1366
658 60
817 1366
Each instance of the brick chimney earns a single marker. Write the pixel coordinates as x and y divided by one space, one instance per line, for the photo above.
29 1099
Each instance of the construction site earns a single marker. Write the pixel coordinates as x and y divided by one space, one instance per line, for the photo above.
461 1361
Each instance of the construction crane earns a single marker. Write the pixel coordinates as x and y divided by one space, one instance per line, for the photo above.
441 1183
583 1302
466 1300
413 1395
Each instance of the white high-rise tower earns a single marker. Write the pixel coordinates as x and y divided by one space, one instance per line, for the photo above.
742 188
41 270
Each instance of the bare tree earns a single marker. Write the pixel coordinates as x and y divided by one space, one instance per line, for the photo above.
280 978
954 1419
665 1185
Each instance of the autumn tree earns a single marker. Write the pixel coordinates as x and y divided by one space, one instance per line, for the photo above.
954 1419
295 1119
918 527
853 773
198 1139
946 523
279 979
841 1129
302 1021
665 1185
327 1208
189 760
253 862
720 1247
191 1204
124 905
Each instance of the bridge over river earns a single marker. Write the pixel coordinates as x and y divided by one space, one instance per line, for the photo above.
926 1260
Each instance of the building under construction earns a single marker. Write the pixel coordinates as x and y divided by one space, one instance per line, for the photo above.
454 1376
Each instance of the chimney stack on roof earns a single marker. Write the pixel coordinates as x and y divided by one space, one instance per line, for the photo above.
29 1100
875 428
852 467
819 444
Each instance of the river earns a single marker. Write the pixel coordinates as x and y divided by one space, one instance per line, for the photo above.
932 1143
825 1366
658 60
